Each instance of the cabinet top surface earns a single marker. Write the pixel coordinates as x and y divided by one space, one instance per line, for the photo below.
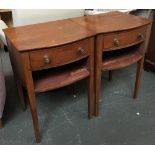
44 35
111 22
55 33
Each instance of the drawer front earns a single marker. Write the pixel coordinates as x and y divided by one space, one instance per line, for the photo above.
124 39
61 55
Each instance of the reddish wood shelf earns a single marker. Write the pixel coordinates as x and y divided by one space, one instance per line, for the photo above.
50 80
120 61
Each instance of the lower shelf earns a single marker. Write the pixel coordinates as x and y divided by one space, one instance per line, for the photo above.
120 61
49 80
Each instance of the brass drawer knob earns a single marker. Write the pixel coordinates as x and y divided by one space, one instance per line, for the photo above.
81 51
116 42
46 59
140 36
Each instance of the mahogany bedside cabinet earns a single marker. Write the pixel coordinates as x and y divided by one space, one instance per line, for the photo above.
48 56
121 40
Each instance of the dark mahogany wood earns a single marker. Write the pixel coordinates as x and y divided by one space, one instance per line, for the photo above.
142 49
111 22
54 80
35 48
150 54
115 31
44 35
61 55
31 93
136 36
120 62
97 73
48 46
90 81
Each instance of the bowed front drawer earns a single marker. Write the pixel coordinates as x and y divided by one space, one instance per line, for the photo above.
124 39
57 56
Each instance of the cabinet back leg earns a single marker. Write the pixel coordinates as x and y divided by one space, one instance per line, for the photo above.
72 89
21 96
20 92
138 77
90 97
1 124
110 75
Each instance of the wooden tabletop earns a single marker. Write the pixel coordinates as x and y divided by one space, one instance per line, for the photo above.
111 22
44 35
55 33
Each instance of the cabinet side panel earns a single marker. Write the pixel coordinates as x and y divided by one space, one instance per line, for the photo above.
151 48
16 62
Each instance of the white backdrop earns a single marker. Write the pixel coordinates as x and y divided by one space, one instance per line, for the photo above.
31 16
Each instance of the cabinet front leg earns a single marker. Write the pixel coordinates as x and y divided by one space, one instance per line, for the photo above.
138 77
34 116
31 94
98 70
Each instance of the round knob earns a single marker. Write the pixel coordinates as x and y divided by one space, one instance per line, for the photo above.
81 51
116 42
140 36
46 59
